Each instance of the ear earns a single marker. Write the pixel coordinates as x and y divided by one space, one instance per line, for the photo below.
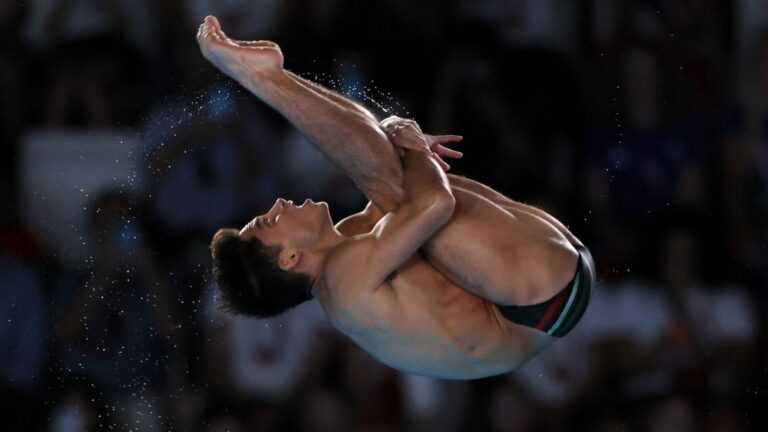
289 259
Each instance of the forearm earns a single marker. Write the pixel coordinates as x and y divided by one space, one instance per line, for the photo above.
350 138
423 180
428 204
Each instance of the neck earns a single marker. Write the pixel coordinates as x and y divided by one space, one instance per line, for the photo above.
330 239
316 265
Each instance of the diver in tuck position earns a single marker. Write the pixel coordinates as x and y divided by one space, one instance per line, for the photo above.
438 276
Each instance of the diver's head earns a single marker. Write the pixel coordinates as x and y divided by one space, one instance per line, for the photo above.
269 266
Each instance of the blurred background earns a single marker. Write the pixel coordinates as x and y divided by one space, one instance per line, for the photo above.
641 124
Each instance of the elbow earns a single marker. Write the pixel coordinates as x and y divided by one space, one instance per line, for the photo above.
442 205
447 201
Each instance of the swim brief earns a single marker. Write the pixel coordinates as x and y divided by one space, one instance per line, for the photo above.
558 315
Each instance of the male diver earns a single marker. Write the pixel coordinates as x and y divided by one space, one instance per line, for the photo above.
439 276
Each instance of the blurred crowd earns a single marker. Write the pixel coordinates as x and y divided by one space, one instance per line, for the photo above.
641 124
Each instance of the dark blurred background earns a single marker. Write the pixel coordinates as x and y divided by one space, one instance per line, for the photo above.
641 124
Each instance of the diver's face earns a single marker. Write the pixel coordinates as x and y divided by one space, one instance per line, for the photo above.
290 225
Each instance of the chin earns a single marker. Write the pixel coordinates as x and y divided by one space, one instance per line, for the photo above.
324 213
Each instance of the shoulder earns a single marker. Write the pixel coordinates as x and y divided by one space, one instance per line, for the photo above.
354 297
359 223
347 267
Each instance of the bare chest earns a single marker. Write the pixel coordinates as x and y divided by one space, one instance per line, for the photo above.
419 322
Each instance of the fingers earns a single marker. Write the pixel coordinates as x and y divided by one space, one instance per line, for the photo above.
442 164
393 130
406 136
410 123
392 122
443 151
446 138
407 127
413 145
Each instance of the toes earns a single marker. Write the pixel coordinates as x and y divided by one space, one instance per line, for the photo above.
209 26
212 20
210 33
218 35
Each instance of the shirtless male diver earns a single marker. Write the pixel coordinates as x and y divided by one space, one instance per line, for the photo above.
439 275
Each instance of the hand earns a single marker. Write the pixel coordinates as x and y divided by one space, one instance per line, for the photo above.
439 151
399 129
238 59
405 134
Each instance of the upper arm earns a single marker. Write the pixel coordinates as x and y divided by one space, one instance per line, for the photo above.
399 234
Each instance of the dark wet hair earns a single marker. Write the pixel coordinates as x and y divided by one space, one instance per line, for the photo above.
249 279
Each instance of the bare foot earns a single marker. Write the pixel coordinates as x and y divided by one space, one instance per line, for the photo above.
238 59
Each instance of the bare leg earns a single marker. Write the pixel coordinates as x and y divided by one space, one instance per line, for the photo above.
323 91
339 129
508 203
335 97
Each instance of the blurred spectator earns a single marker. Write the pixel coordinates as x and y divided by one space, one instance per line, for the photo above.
372 390
722 418
323 409
13 104
525 22
93 65
431 404
334 38
510 411
245 20
226 423
712 329
671 414
74 412
649 161
208 147
268 358
116 331
24 326
482 93
744 151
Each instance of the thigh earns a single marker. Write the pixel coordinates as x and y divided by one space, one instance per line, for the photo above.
507 257
511 205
